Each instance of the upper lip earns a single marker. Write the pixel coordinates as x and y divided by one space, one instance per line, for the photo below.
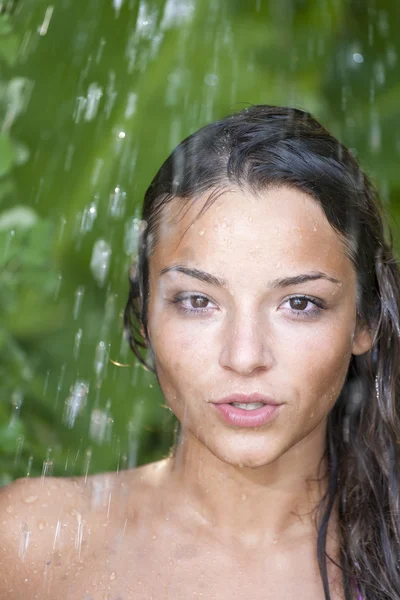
246 399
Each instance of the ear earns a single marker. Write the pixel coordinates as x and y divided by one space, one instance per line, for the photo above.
362 341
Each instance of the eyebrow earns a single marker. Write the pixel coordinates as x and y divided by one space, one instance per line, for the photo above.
280 282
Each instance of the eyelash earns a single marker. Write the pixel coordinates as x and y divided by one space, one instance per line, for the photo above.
319 306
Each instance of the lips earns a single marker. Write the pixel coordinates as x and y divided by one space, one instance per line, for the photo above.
235 415
246 399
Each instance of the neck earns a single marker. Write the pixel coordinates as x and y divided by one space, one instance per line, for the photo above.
253 505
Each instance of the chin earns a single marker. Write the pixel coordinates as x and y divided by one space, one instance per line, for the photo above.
250 456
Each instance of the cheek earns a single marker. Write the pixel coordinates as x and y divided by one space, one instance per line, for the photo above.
318 367
182 360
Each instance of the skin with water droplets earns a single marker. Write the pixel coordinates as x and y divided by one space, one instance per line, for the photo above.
239 503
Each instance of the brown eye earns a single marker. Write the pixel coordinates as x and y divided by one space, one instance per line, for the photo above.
198 301
298 303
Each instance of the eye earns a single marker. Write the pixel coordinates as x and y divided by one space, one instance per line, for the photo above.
305 306
193 303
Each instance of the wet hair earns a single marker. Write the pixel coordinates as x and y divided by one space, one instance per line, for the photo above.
269 146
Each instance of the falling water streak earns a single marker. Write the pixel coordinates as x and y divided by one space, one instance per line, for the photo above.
66 461
69 157
20 444
57 533
77 344
17 399
47 469
117 201
29 467
24 541
57 286
131 104
100 261
100 50
109 506
76 402
117 6
78 301
109 315
88 217
59 385
79 533
88 459
46 21
111 94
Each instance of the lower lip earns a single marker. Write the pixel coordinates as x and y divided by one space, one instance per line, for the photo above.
241 417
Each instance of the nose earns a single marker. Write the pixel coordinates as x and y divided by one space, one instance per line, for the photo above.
246 345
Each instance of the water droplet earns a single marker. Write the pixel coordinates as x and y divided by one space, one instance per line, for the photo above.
29 467
24 541
211 79
46 21
88 218
111 94
100 260
88 460
78 301
97 170
98 425
94 96
117 6
146 22
358 58
131 104
75 402
391 56
113 576
77 343
116 206
380 75
30 499
57 287
133 228
17 399
99 54
47 468
100 357
177 12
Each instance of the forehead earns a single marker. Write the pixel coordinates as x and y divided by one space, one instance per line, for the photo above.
280 227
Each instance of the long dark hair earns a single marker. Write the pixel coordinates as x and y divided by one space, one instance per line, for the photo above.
268 145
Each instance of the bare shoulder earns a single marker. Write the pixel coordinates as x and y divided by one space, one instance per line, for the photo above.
31 514
50 525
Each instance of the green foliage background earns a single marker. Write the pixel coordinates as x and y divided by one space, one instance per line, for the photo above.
93 96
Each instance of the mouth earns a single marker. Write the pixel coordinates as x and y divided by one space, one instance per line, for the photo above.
243 410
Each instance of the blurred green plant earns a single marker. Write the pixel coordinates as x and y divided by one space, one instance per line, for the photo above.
27 276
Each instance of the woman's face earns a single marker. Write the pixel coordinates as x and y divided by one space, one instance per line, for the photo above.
223 321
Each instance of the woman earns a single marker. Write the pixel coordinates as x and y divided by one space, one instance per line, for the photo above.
267 297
